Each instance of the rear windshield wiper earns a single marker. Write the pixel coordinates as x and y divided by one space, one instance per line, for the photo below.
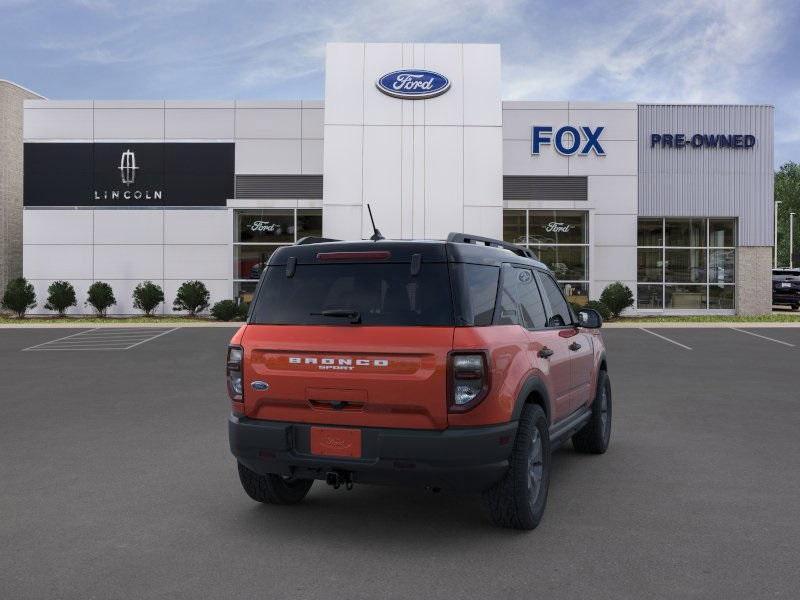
343 313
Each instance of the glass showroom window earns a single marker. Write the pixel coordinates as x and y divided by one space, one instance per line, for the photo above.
258 233
560 238
686 264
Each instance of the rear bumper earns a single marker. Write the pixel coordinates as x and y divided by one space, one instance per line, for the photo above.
465 459
786 297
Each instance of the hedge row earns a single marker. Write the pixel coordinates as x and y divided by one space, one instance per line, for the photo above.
192 296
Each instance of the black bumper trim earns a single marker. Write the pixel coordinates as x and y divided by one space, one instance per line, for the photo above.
458 458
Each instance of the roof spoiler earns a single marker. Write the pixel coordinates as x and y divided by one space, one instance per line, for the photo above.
468 238
313 240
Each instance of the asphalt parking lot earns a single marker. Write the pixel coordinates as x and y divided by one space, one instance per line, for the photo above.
116 482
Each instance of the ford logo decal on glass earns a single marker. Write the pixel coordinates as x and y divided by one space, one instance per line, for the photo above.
413 84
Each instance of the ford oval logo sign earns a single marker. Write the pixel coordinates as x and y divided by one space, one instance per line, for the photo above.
413 84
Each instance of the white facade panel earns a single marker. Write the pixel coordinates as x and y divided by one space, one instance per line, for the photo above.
312 157
382 180
265 157
198 226
128 124
447 109
342 183
380 109
483 220
128 226
444 180
343 222
313 123
58 124
617 124
57 226
613 194
268 123
517 160
64 261
199 123
613 263
197 261
344 84
483 167
129 261
614 230
481 90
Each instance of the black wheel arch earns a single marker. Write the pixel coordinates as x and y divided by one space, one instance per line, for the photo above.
533 391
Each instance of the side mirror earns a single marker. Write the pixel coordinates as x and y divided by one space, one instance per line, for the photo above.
589 318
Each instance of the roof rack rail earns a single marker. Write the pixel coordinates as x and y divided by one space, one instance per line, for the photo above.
313 240
467 238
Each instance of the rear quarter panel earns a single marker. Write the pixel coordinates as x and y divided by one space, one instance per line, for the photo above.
510 367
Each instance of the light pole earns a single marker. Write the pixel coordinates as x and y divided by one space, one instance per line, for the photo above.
777 202
791 239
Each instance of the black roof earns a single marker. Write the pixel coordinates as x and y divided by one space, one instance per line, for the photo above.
403 250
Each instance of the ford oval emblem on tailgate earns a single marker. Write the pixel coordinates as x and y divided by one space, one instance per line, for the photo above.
413 84
260 385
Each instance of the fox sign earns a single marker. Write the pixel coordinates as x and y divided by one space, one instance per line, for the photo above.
568 140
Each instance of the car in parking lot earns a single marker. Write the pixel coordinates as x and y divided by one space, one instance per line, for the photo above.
786 288
451 364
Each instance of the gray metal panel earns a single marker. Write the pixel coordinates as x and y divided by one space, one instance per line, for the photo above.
544 188
700 182
305 187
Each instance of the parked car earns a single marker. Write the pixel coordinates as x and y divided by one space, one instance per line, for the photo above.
786 287
451 364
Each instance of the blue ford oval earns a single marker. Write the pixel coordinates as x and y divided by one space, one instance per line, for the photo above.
413 84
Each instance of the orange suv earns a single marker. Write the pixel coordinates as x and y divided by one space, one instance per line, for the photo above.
452 364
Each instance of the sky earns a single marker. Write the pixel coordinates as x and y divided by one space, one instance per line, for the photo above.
713 51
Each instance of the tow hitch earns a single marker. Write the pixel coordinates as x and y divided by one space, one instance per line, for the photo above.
338 479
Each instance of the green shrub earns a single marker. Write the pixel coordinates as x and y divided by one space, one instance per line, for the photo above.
192 296
224 310
147 296
60 296
100 297
241 311
599 307
19 297
617 297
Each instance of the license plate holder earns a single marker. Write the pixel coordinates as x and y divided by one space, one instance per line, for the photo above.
336 441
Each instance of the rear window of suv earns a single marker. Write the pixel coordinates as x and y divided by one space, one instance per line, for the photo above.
381 294
786 273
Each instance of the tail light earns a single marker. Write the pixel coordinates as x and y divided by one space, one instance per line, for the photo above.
468 379
234 373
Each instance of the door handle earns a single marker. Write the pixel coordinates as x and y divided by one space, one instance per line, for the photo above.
574 346
545 352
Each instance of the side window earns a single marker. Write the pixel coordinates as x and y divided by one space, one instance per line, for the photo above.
560 315
520 302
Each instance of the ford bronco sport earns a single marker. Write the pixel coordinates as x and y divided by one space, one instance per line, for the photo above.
452 364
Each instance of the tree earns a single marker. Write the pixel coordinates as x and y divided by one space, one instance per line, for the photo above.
101 297
60 296
192 296
147 296
617 297
787 191
224 310
19 297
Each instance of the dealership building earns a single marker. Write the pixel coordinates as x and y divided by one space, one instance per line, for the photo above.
674 200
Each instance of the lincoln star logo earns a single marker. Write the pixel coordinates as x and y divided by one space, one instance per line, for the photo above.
329 363
413 84
127 167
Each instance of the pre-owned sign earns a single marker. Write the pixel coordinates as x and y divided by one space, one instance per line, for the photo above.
702 140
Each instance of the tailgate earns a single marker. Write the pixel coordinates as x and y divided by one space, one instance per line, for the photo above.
344 375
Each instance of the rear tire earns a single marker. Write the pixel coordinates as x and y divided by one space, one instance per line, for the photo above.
518 500
273 489
595 435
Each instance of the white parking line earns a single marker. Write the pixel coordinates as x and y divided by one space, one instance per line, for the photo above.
98 339
763 337
658 335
